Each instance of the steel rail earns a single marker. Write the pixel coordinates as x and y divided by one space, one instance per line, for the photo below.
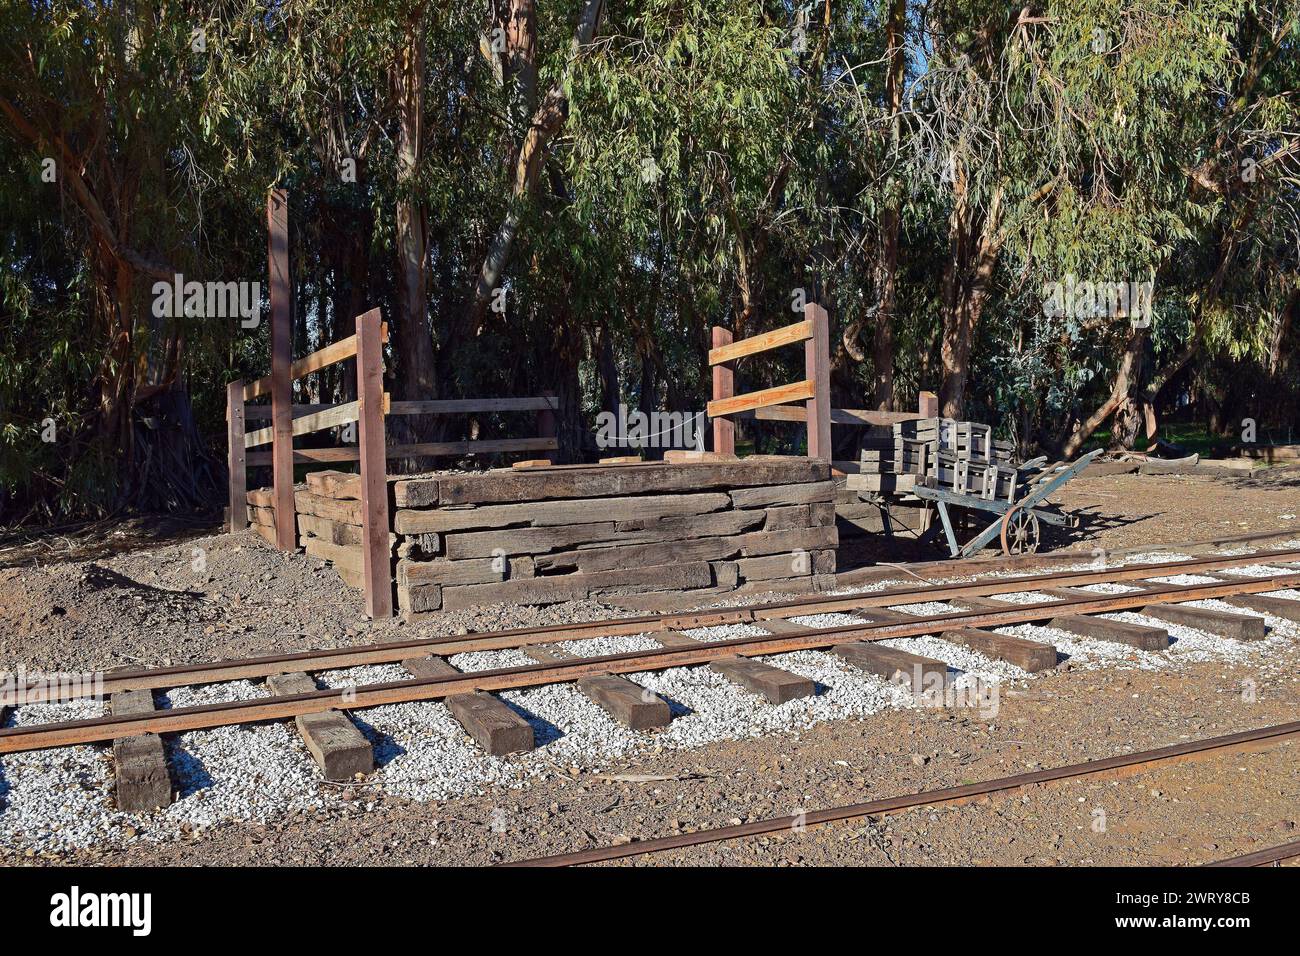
1272 856
212 672
1125 764
65 733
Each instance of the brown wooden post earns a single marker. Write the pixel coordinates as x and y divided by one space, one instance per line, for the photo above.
546 426
927 405
277 220
724 386
237 512
377 569
817 369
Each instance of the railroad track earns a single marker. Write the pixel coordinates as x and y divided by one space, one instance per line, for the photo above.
677 652
1107 767
1273 856
396 651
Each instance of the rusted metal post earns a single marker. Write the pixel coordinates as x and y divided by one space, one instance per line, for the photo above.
377 570
546 426
927 405
277 220
237 512
817 369
724 386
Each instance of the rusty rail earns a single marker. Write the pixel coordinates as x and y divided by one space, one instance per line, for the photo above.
1107 766
66 733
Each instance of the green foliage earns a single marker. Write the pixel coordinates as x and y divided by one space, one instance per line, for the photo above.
712 158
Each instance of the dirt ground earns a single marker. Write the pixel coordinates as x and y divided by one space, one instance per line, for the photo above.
199 596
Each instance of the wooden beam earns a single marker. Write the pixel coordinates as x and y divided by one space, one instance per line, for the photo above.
330 417
786 335
1027 655
237 483
817 369
1238 627
490 446
456 406
1119 632
794 392
776 685
322 358
927 405
839 416
724 387
486 718
277 216
376 570
262 413
140 763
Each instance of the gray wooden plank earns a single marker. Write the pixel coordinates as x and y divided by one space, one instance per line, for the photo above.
914 671
773 683
1278 607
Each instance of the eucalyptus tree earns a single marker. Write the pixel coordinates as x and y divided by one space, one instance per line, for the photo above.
100 104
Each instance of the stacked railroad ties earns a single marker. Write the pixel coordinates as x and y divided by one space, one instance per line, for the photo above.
549 534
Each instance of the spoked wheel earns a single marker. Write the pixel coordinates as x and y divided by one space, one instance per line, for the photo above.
1020 532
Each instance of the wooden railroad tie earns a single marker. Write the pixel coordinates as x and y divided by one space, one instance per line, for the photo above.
912 670
1027 655
774 684
1239 627
139 763
334 742
1278 607
485 717
632 705
1141 636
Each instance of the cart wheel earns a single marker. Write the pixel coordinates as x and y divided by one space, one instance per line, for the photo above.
1020 532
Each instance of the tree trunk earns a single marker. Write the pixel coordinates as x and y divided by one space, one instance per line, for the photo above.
1125 378
882 347
413 339
546 122
610 393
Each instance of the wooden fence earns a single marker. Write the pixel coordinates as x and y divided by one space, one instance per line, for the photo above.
369 411
772 404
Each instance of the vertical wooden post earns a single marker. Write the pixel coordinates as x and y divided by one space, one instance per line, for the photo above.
724 386
546 426
377 570
927 405
237 513
817 369
277 221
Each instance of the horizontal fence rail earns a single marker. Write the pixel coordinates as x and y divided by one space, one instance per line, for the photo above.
788 335
322 358
329 416
780 394
813 391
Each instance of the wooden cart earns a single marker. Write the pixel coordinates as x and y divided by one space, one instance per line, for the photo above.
1018 518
